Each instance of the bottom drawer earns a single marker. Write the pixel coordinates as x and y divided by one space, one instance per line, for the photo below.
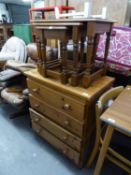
66 150
62 134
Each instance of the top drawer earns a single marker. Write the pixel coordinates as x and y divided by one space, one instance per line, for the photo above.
60 101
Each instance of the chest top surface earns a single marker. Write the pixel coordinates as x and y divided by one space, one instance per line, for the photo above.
79 92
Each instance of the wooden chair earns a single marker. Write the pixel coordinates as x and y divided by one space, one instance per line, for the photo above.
112 155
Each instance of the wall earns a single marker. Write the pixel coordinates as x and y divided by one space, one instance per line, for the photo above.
128 14
38 4
19 13
116 9
15 13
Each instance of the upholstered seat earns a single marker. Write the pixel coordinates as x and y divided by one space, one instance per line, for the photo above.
8 74
13 96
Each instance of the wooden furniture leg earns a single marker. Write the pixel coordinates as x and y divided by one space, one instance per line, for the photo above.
41 47
106 142
74 76
89 60
107 44
64 75
43 52
95 149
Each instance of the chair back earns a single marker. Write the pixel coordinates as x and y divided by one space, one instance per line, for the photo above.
104 100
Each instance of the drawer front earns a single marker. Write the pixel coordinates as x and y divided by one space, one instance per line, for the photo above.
65 149
59 117
56 130
58 100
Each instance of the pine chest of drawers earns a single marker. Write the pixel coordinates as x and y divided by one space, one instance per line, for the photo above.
65 116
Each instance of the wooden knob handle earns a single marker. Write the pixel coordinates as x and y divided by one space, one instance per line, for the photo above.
35 90
66 122
66 106
38 131
65 151
36 119
65 138
36 105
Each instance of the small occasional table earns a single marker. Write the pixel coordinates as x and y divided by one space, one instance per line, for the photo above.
77 30
117 116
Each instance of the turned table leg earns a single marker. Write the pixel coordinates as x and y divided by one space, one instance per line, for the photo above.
89 60
41 48
75 37
64 75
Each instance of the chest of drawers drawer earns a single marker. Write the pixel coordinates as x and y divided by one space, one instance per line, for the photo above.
65 136
58 117
62 147
60 101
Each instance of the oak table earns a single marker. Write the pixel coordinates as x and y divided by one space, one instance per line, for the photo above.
118 117
79 31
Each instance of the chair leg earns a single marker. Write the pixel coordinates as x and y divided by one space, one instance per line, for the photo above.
17 114
103 150
119 163
95 150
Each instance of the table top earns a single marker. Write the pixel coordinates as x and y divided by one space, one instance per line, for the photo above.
96 88
71 20
119 113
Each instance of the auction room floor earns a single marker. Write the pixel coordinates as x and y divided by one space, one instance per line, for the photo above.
22 152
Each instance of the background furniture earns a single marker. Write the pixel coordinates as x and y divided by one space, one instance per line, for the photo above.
13 88
64 115
13 80
86 13
43 11
13 49
23 31
117 117
5 33
119 58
